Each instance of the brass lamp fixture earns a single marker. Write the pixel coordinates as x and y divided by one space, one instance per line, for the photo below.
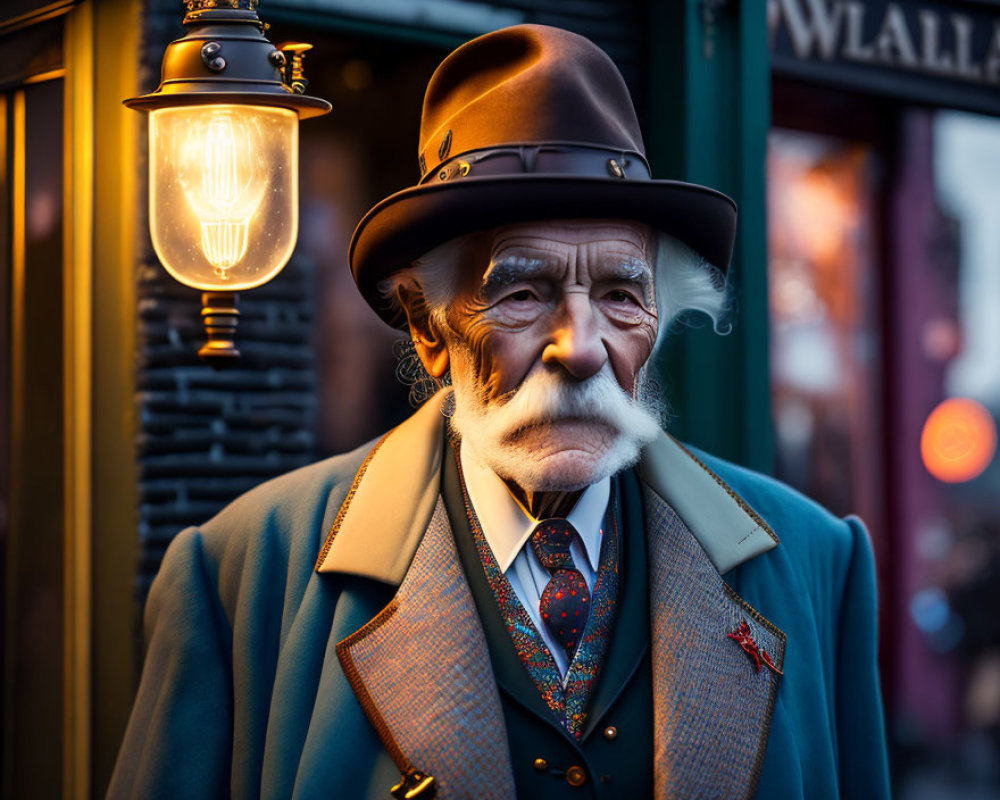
223 159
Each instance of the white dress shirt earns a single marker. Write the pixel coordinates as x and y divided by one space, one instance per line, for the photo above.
507 526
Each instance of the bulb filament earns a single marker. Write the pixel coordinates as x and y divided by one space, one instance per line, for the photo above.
231 191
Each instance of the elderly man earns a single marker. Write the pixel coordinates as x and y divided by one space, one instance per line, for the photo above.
528 588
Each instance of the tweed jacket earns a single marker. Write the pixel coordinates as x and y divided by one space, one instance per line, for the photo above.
318 638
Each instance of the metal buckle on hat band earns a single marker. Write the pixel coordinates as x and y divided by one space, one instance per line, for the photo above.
550 159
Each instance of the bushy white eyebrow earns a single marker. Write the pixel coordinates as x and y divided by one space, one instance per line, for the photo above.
634 269
510 269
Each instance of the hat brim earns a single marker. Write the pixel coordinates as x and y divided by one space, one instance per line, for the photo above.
408 224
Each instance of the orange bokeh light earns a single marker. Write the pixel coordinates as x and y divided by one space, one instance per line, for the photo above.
959 440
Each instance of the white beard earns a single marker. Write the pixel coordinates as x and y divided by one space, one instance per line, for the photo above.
488 429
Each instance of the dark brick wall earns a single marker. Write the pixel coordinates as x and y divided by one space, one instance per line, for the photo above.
206 437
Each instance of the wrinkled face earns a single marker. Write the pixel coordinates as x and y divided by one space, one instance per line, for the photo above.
545 344
567 296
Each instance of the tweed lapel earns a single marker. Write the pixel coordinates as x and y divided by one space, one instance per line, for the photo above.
712 709
422 673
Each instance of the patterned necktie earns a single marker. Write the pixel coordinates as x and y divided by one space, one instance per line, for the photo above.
565 603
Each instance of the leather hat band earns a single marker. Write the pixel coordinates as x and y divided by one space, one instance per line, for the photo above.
587 161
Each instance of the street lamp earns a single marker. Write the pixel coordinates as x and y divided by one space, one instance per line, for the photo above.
223 159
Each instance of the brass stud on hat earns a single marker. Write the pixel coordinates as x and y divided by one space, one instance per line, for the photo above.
445 147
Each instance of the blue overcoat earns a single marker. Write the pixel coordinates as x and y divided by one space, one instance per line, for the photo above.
318 637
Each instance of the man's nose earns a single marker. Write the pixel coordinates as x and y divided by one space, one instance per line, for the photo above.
576 344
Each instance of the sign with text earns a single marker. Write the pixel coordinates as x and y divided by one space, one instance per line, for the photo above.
942 54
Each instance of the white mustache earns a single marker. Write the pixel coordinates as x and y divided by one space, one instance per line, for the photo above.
547 396
490 429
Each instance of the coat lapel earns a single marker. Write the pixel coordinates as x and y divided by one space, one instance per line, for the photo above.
421 671
712 707
421 667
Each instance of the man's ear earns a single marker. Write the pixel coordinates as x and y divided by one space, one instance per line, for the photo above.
427 339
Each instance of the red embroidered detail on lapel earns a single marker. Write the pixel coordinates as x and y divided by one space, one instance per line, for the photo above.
742 636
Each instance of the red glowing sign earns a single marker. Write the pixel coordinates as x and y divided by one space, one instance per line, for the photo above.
959 440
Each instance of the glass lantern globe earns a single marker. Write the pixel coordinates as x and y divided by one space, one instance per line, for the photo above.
223 193
224 159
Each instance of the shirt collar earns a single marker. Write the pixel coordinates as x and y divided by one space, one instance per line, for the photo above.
507 526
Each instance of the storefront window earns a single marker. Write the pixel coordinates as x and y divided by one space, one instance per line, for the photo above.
967 179
955 588
885 359
824 334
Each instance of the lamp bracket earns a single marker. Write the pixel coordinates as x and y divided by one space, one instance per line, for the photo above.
292 71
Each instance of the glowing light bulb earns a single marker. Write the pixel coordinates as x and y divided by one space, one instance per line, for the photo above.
223 199
230 190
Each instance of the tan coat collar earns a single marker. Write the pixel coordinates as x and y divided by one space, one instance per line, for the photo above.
391 501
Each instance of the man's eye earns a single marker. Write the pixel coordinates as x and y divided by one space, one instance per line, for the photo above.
518 307
620 296
521 296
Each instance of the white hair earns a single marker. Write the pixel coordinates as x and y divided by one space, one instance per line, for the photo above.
432 275
685 283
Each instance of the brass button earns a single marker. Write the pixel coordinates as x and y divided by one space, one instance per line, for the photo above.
610 732
575 776
541 764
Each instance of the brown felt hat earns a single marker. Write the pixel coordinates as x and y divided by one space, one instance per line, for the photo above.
529 123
